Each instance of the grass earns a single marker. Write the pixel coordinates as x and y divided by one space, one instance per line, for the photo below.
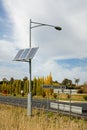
62 96
74 97
15 118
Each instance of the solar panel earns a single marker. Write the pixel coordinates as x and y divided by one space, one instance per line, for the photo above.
18 54
25 54
31 53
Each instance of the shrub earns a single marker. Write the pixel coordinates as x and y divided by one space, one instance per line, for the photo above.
85 97
80 91
5 92
43 94
55 95
14 94
22 94
68 96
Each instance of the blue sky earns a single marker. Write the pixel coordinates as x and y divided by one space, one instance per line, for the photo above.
63 53
5 24
72 63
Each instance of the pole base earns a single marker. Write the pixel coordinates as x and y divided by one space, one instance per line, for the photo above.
29 105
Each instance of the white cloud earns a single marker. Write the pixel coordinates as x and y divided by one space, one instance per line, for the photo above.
10 69
7 50
78 22
59 72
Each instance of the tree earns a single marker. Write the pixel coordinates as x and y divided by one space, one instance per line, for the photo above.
76 81
11 84
48 79
17 87
39 86
12 80
43 93
4 87
25 78
67 82
26 87
4 80
34 86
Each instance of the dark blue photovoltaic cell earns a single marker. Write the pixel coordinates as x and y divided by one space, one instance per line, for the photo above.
24 54
17 57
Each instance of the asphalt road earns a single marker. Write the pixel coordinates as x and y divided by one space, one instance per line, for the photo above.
39 103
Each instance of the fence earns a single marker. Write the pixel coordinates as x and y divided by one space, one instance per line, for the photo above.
64 107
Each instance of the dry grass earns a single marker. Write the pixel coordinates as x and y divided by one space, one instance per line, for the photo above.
15 118
74 97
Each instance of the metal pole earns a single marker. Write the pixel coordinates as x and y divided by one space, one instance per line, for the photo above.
29 107
47 104
70 104
58 100
30 34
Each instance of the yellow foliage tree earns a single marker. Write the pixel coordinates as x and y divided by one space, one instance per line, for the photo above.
48 79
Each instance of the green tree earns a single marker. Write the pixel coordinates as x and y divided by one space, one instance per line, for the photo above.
39 86
67 82
76 81
5 80
4 87
26 87
25 78
34 86
11 84
17 87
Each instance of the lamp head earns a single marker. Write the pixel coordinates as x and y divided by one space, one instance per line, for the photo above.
58 28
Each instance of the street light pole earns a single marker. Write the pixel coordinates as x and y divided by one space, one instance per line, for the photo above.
36 24
29 106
